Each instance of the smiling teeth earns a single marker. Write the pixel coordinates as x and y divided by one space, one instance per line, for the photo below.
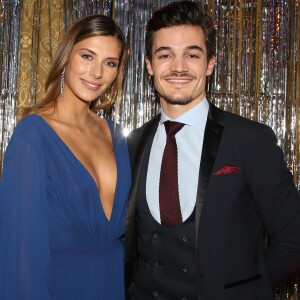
179 80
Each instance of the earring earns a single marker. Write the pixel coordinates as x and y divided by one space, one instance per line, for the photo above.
62 84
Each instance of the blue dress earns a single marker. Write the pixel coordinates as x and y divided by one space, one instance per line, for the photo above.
55 240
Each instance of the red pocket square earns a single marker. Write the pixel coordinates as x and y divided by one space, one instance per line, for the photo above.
227 170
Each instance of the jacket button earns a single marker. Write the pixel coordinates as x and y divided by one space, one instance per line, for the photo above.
184 269
156 294
184 239
155 235
184 298
156 264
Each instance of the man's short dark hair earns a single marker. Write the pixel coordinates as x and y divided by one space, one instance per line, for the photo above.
177 14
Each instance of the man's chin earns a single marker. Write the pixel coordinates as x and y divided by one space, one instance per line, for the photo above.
178 101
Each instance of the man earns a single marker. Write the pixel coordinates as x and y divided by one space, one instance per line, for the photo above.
205 241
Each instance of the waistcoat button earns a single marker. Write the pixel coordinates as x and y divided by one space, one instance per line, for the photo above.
156 264
184 269
156 294
184 298
184 239
155 235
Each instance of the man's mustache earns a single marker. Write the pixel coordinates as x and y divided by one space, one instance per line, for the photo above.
179 74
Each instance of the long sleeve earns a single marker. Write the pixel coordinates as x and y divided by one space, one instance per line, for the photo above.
24 237
278 205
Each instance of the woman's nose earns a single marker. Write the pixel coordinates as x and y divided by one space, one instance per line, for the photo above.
96 71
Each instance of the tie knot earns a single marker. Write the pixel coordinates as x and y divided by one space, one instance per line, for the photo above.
172 127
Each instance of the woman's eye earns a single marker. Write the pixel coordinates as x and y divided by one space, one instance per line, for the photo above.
112 64
86 56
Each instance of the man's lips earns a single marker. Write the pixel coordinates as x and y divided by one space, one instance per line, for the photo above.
179 80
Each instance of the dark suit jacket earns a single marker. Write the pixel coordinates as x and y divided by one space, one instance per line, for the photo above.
244 187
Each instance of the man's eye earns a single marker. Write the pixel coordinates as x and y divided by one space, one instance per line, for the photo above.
164 56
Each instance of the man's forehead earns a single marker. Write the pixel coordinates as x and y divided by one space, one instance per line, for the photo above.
183 37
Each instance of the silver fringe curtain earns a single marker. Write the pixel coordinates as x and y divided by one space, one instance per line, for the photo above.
9 48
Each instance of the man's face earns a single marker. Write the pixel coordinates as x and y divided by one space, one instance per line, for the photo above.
179 67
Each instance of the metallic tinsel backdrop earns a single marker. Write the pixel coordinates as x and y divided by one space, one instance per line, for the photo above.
257 74
9 48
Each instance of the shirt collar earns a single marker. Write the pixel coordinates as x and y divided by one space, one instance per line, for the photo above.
192 116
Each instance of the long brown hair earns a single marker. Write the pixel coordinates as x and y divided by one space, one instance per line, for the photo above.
90 26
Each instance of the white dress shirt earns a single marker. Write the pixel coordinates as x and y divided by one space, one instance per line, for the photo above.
189 143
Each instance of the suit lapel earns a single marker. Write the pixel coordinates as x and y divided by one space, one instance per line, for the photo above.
211 141
130 235
146 137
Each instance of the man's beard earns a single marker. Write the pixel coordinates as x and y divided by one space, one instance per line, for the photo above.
176 100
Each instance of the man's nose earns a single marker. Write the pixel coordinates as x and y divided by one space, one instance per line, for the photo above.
179 65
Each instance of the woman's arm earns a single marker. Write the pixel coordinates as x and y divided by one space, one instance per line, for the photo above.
24 237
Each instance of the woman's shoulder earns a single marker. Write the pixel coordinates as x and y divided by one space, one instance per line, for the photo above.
29 122
28 129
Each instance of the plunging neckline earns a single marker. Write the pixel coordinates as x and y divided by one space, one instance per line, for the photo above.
82 166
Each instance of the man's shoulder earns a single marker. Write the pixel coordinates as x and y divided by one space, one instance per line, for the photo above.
135 136
240 127
138 132
245 130
234 119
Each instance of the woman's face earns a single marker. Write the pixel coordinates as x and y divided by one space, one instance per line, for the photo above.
92 68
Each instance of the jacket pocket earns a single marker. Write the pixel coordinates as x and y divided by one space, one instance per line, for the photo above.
241 282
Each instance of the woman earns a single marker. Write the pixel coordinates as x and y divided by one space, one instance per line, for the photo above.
66 177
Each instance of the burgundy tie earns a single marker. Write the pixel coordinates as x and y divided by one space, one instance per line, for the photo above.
170 213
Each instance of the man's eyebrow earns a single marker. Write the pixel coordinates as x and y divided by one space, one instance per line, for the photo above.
165 48
162 49
194 47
